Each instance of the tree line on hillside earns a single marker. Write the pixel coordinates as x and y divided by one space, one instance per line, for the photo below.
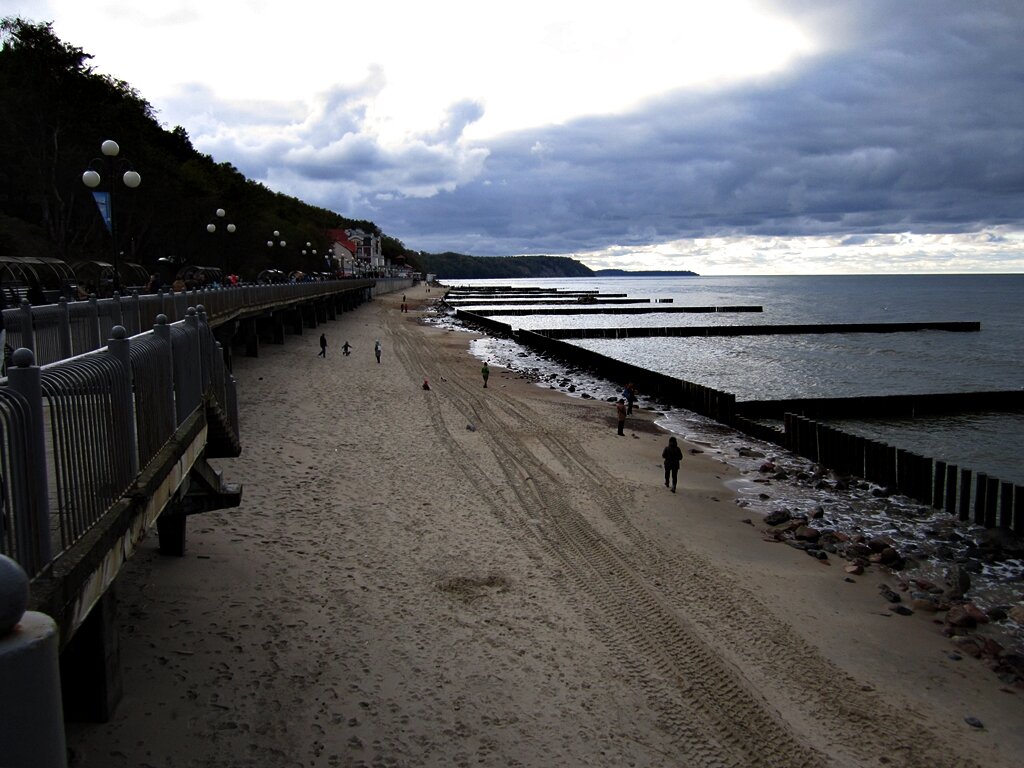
57 112
460 266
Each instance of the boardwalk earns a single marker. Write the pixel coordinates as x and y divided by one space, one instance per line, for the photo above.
465 576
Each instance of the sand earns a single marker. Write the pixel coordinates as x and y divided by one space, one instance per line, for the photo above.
468 576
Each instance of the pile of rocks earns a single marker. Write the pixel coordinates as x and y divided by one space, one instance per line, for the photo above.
958 617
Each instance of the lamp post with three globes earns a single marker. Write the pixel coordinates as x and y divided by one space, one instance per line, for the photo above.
105 198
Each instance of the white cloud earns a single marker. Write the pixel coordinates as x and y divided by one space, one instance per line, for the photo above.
998 250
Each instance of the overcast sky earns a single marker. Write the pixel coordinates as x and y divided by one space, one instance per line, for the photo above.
722 136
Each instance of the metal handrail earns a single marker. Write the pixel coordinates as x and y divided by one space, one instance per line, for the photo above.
59 331
75 434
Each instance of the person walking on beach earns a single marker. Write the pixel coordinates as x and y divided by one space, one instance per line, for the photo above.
323 345
620 410
377 350
485 372
629 394
345 348
671 456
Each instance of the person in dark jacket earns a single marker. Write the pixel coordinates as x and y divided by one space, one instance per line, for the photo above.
671 456
323 345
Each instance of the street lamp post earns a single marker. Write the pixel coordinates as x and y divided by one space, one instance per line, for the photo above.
271 243
309 250
105 198
227 229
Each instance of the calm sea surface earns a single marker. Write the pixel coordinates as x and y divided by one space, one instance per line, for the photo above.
835 365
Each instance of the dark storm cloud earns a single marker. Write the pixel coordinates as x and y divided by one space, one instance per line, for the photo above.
909 119
916 123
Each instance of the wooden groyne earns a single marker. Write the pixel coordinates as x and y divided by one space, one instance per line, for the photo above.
578 301
889 406
970 495
754 330
590 309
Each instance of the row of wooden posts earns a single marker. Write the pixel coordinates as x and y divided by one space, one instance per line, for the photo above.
970 495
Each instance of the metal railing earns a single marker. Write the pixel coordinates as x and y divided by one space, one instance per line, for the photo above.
75 434
58 331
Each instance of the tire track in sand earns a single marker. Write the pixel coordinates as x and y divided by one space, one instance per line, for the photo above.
675 620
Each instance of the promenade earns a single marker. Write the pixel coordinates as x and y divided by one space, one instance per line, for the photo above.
468 576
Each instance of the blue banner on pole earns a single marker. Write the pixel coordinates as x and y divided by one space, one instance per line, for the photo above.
103 203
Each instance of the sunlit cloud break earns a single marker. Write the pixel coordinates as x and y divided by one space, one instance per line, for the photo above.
991 251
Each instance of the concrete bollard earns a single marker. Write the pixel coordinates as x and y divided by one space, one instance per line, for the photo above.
32 735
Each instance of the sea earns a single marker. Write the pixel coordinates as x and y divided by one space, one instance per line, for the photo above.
827 365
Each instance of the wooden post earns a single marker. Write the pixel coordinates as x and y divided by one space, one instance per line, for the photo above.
924 473
939 483
1006 506
992 503
965 494
951 473
980 490
903 470
1018 509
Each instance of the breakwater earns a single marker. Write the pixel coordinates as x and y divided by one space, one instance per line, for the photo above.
964 492
675 331
591 309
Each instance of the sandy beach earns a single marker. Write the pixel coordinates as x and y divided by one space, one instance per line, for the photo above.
470 576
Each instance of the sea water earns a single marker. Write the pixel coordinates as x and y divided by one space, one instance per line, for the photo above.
834 365
830 365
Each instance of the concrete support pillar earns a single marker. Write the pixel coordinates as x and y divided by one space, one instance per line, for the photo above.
90 666
31 711
31 714
251 337
171 528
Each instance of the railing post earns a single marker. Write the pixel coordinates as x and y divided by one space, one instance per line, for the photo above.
136 312
94 326
30 701
120 347
116 316
204 342
64 328
188 378
162 330
24 377
28 333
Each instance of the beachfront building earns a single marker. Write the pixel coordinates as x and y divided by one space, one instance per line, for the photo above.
344 251
357 252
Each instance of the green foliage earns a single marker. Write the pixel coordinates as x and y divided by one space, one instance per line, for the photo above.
56 113
458 265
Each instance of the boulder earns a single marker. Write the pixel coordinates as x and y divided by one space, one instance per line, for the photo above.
959 581
806 533
957 616
778 517
888 594
878 543
979 616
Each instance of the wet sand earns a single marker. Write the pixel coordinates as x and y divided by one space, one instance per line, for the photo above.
469 576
